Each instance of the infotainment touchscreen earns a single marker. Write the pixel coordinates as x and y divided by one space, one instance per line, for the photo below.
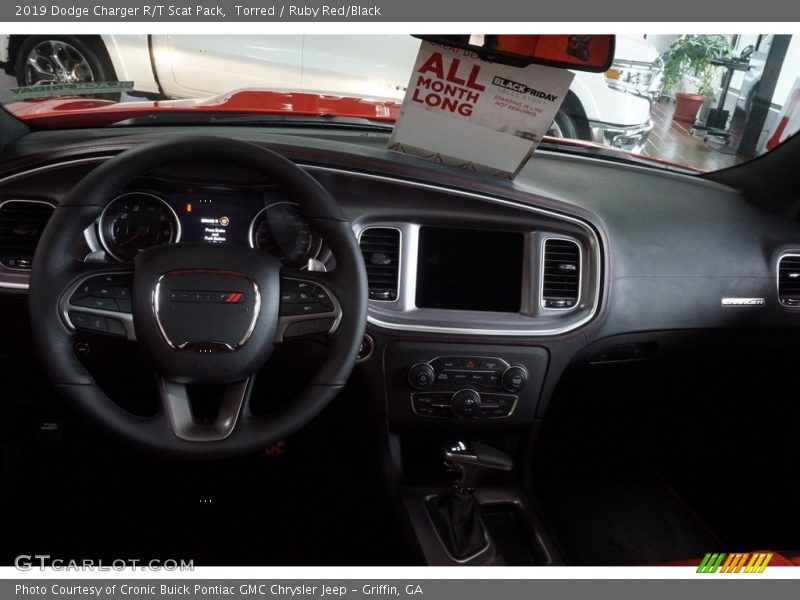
469 269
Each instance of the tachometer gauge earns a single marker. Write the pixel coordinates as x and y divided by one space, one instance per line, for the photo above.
281 229
136 221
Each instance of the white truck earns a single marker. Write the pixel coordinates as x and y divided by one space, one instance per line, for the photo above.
611 108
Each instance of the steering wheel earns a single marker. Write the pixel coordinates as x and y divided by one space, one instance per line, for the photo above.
202 313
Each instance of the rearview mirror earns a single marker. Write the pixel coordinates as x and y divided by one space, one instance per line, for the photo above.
593 53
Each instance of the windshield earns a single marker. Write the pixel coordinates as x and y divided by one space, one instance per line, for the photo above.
698 101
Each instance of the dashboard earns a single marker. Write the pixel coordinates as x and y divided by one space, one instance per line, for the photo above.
469 277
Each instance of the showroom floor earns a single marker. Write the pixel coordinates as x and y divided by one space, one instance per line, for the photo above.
671 140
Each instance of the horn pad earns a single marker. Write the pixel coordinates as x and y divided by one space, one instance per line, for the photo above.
206 313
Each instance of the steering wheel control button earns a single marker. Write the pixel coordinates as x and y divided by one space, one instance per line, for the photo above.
300 297
311 308
97 303
298 285
309 327
421 375
104 292
79 320
99 324
320 296
115 327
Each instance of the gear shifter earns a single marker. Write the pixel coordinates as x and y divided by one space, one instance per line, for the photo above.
456 514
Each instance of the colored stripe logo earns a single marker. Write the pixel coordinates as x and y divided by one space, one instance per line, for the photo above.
746 562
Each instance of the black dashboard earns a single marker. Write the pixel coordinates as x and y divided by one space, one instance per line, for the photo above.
574 254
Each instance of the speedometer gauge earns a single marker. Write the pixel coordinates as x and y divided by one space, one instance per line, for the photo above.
281 229
136 221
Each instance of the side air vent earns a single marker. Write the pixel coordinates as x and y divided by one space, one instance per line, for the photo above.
561 274
789 280
380 247
21 226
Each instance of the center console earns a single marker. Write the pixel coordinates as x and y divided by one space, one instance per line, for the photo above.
466 307
458 384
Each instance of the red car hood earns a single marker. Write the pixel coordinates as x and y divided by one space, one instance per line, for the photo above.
54 113
57 113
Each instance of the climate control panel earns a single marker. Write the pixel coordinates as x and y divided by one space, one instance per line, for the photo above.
481 371
447 383
466 404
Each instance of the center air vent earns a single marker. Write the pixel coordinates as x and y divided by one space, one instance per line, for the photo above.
21 226
561 274
789 280
380 247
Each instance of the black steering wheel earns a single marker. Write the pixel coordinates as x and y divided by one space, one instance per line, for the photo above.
203 314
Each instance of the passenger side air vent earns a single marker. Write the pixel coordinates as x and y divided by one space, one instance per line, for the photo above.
21 226
561 274
789 280
380 247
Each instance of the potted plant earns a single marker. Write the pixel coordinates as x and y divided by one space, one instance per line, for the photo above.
687 64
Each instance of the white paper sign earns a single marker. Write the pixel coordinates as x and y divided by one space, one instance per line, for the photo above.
465 112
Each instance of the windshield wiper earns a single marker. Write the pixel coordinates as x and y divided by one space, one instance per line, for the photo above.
204 118
613 155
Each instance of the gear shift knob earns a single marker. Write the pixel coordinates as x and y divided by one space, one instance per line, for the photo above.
472 460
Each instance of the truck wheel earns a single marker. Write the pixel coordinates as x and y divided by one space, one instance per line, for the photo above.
45 60
563 127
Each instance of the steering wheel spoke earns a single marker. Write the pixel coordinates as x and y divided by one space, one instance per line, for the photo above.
100 302
308 306
184 421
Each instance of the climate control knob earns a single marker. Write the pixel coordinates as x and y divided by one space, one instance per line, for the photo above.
514 377
421 376
466 403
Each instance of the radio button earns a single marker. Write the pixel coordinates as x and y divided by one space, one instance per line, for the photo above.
470 364
443 378
421 375
493 364
514 378
467 403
